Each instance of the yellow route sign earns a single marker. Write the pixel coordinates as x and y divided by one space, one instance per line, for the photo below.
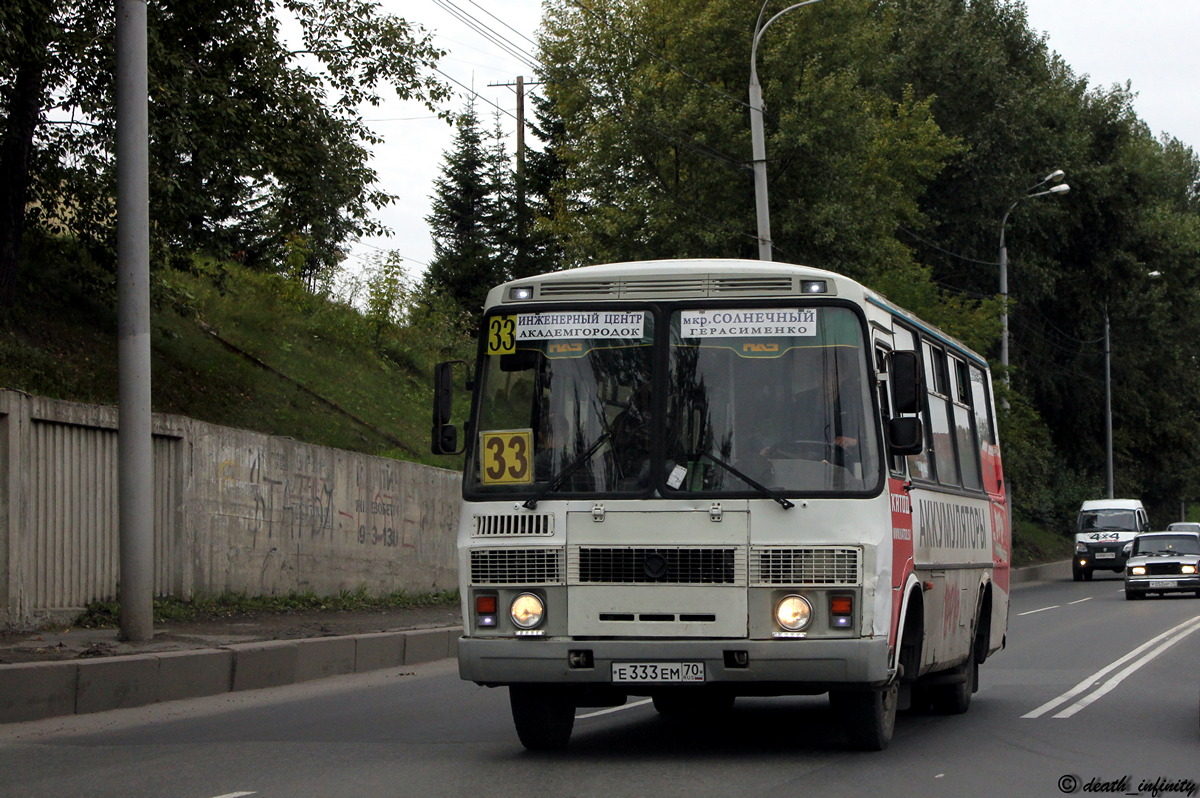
502 335
506 457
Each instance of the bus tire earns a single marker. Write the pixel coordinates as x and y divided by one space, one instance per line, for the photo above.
868 716
544 716
955 698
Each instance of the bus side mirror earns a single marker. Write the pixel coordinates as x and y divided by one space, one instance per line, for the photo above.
445 439
445 434
905 436
907 386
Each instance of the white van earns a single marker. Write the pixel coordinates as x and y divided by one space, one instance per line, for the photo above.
1102 529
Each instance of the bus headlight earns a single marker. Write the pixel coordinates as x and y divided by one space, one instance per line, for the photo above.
527 611
793 613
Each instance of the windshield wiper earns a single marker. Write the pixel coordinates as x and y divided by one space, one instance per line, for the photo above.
558 479
763 489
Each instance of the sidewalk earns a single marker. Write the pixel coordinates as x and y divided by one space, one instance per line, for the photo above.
44 674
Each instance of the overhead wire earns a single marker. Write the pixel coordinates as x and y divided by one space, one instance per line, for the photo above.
476 94
931 245
505 24
487 32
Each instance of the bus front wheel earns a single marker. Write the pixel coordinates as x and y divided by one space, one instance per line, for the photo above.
543 714
868 716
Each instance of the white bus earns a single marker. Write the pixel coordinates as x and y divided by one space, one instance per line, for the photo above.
695 480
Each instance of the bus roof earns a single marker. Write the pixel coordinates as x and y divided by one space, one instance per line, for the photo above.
698 278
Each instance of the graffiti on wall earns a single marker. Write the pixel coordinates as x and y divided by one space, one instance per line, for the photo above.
280 501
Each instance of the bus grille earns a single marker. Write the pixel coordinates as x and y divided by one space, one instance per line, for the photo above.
511 525
781 285
811 566
577 289
540 566
752 285
672 566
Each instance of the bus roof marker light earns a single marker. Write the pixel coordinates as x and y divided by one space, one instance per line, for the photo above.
814 287
520 293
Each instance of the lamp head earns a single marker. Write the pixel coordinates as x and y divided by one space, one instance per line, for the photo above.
1055 177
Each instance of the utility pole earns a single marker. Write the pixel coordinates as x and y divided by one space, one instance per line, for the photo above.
134 442
520 173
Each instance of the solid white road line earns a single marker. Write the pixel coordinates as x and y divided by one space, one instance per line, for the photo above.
610 710
1158 645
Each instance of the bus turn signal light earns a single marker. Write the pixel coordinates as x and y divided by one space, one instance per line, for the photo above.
485 611
841 610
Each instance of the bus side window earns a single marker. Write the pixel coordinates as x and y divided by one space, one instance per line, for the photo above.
895 462
945 463
919 465
964 433
985 430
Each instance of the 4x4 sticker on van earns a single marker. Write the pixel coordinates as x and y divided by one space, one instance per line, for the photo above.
1098 536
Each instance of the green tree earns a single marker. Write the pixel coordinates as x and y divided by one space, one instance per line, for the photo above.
655 142
473 219
461 218
898 133
253 141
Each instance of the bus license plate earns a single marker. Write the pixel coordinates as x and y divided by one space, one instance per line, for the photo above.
625 672
1106 555
1163 583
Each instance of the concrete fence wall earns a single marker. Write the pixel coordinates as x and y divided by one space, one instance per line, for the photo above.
233 511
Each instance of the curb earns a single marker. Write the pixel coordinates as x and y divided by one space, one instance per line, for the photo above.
1041 573
36 690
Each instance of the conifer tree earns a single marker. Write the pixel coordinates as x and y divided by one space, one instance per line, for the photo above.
473 221
460 220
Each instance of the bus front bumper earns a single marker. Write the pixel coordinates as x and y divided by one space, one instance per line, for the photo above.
741 666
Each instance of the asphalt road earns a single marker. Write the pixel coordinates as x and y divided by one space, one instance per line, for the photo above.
1091 687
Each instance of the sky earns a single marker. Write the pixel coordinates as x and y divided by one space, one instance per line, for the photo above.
1148 42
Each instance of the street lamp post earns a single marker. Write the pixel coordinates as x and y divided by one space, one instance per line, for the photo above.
1061 188
1108 435
757 141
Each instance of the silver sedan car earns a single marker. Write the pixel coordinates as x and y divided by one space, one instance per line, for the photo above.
1163 562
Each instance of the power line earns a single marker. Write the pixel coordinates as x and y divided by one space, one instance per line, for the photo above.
402 119
505 24
474 93
487 32
955 255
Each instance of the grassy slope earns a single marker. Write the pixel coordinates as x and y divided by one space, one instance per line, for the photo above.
61 342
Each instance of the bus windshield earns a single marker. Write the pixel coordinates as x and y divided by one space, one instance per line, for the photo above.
565 401
780 395
753 402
